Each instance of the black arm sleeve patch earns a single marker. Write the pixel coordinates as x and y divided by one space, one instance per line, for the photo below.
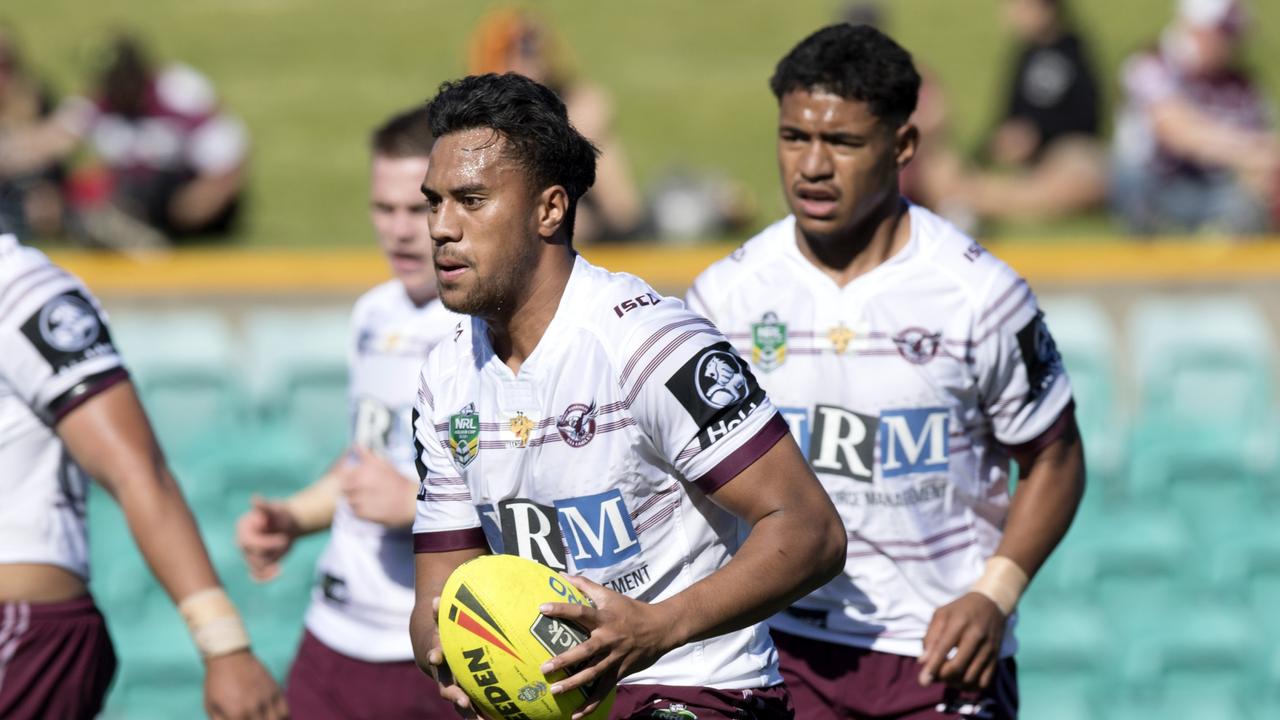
67 330
718 391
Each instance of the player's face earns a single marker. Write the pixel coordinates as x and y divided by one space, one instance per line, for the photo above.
483 223
399 215
838 162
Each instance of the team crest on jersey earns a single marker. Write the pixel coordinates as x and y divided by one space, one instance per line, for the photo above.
840 337
577 424
464 435
521 426
768 342
917 345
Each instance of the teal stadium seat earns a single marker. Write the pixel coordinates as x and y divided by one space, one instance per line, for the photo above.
1086 339
297 369
183 362
1200 665
1066 657
1206 394
1131 561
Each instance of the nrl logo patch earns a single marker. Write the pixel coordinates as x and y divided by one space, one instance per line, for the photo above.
768 342
464 435
577 425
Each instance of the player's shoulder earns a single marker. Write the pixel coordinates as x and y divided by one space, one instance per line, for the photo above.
614 306
27 277
949 255
460 351
760 253
377 299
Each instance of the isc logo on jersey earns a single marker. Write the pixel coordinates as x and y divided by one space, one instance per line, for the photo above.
594 531
839 441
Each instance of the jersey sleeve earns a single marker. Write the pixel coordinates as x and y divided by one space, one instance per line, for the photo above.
696 399
447 519
58 351
1025 392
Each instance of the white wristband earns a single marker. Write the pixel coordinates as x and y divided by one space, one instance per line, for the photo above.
1003 582
214 623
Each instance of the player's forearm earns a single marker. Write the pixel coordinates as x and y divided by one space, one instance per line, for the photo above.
422 628
166 533
787 555
431 571
312 508
1044 503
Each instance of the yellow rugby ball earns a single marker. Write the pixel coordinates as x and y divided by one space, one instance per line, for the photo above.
495 640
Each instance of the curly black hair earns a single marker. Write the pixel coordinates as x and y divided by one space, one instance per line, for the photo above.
531 118
856 62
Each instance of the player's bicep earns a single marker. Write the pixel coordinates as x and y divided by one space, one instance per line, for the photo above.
109 436
777 481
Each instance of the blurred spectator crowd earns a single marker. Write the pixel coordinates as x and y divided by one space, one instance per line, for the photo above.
147 157
1193 147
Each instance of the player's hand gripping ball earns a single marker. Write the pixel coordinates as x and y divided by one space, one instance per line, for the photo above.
495 640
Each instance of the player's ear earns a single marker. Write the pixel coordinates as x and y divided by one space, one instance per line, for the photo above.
905 141
552 209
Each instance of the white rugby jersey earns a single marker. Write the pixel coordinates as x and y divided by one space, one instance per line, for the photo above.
364 591
905 389
598 456
55 353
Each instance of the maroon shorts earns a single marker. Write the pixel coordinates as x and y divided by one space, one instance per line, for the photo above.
56 660
668 702
830 681
324 684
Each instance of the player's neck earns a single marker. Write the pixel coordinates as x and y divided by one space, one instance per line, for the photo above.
848 256
516 334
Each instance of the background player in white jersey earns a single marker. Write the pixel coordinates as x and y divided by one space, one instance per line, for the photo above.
355 660
69 412
578 421
911 365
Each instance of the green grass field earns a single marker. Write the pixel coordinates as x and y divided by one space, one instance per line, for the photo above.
689 78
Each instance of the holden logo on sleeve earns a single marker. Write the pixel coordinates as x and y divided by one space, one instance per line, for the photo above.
720 379
577 424
769 342
69 323
464 435
917 345
67 331
1040 355
718 391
